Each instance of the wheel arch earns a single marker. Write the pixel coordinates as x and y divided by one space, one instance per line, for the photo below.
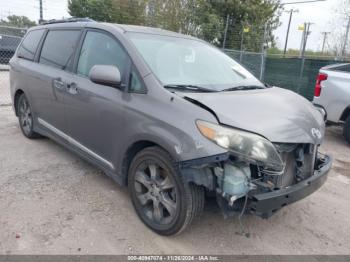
18 93
345 114
131 152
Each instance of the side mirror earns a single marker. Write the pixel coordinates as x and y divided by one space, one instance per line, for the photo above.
107 75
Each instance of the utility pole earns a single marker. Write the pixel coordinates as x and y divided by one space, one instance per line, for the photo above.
287 36
306 33
302 53
302 41
324 40
345 39
225 33
290 18
41 11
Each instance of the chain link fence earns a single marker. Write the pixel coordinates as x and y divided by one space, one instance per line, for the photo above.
253 61
10 37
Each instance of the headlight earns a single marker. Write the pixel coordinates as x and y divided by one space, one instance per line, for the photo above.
243 144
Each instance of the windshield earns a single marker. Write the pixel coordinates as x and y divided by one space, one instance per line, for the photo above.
189 62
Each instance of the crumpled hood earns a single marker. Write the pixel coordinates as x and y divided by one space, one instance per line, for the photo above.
280 115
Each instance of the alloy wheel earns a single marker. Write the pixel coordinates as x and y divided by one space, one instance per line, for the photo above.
25 116
156 192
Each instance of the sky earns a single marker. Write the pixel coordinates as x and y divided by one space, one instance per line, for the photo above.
52 9
321 14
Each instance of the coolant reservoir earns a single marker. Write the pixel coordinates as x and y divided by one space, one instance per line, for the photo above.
236 179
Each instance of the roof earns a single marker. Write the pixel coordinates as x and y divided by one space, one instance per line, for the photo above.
149 30
84 22
68 20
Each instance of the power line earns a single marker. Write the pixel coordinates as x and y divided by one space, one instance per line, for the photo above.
302 2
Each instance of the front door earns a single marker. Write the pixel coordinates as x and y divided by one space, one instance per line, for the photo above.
94 112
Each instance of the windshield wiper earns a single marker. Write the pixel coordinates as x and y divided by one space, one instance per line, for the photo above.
190 87
247 87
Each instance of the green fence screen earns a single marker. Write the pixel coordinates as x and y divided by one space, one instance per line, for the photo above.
285 73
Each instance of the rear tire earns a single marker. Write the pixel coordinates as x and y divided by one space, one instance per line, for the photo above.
346 130
25 117
162 199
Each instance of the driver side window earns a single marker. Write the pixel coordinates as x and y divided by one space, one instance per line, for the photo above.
101 49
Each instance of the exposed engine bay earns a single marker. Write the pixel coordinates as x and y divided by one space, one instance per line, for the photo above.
236 183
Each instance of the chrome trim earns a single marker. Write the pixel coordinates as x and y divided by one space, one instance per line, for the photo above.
74 142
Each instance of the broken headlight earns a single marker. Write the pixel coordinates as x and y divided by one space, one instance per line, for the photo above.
245 145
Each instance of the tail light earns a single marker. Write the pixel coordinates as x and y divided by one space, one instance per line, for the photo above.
321 77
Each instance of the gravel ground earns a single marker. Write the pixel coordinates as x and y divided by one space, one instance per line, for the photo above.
52 202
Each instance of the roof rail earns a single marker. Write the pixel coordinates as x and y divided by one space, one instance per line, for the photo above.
68 20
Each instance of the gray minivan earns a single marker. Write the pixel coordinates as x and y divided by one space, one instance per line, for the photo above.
171 117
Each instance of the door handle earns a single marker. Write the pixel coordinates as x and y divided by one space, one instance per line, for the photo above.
72 88
58 83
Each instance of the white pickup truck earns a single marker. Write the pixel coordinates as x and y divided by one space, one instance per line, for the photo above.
332 93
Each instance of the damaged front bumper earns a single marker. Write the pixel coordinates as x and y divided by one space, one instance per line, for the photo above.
266 204
259 201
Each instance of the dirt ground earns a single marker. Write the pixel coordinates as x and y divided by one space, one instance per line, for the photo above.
52 202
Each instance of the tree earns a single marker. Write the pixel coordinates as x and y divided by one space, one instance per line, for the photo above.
338 29
203 22
99 10
251 15
202 18
18 21
129 11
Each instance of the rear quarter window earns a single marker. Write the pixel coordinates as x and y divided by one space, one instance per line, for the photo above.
30 44
58 49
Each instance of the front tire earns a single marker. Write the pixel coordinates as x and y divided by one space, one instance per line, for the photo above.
346 130
25 117
163 201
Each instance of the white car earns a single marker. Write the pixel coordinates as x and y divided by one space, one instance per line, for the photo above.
332 93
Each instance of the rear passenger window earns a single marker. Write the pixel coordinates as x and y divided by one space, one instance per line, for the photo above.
30 44
58 48
101 49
